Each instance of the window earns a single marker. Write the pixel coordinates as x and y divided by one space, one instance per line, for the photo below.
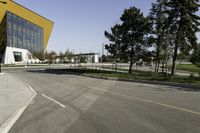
17 56
24 34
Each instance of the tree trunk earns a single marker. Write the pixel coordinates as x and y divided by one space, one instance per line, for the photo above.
116 66
131 65
131 61
178 38
158 55
157 62
163 65
166 68
158 66
174 59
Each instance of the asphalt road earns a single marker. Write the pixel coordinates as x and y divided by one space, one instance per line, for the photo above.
68 103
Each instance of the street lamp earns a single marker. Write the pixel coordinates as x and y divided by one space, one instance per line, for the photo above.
2 2
103 47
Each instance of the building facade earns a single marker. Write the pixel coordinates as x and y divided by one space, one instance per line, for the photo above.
86 58
22 33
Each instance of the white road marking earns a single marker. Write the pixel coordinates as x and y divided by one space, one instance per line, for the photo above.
26 84
62 105
146 85
1 73
148 101
7 125
10 122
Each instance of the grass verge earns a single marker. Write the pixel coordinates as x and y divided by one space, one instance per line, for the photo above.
139 75
187 67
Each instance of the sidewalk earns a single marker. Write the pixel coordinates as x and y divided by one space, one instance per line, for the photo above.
14 98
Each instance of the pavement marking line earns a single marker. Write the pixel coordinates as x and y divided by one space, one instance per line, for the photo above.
29 87
148 101
146 85
5 128
7 125
62 105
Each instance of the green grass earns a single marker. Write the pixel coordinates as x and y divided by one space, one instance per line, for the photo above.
187 67
140 75
183 67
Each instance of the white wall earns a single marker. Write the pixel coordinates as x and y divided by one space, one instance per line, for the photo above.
9 56
96 58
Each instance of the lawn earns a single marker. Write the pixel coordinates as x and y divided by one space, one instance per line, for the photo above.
139 75
188 67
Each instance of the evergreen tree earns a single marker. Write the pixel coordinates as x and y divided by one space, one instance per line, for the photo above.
115 37
158 17
128 39
183 21
195 58
135 28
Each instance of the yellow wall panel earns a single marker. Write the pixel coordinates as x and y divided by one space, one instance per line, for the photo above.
2 11
25 13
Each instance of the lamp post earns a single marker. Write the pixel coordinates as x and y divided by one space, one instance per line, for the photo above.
1 2
103 47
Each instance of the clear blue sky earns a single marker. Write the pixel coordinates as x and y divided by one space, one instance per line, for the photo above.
80 24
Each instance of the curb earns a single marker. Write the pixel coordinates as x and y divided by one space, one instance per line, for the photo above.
13 117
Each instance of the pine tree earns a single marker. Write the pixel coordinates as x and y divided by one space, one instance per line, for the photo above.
128 38
195 57
135 27
183 21
115 38
158 17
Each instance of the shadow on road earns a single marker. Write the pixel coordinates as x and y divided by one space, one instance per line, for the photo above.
80 72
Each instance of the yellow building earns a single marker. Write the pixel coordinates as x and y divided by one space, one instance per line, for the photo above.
22 32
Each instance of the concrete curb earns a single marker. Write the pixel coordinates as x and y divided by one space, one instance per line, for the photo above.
185 86
13 117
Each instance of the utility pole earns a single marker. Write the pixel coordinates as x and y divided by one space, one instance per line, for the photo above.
103 46
102 49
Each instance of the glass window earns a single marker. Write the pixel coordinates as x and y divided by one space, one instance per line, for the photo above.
17 56
24 34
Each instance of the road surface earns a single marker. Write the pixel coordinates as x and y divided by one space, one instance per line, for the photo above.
68 103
